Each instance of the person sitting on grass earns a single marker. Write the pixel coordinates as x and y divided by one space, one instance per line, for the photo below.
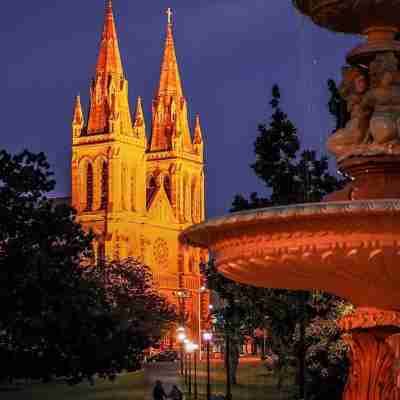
158 391
175 393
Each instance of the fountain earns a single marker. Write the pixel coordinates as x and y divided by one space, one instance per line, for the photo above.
350 244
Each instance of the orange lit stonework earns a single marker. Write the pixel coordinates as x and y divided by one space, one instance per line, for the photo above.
349 245
137 196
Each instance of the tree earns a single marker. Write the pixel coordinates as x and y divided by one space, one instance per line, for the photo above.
141 315
337 106
56 317
290 175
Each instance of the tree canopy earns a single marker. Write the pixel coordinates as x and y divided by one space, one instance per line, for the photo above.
58 318
301 325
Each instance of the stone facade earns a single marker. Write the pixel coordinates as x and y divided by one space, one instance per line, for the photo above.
138 195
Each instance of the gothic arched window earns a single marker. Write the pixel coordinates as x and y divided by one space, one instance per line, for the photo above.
133 191
194 200
151 188
89 188
191 265
123 188
104 186
186 198
101 253
167 186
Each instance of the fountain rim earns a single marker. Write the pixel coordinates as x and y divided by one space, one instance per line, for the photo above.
199 234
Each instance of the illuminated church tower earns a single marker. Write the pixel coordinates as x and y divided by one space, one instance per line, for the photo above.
136 194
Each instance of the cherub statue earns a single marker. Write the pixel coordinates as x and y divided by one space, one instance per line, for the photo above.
382 101
353 88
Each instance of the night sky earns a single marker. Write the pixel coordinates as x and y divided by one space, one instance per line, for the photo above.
230 53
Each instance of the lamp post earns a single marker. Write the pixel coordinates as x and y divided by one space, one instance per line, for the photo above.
190 347
182 295
207 337
228 366
201 290
186 356
181 337
195 348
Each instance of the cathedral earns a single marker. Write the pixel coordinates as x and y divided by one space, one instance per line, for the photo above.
137 193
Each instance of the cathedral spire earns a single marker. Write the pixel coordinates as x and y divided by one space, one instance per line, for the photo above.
109 60
109 105
170 81
170 128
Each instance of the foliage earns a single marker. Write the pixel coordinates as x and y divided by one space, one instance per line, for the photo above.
291 175
337 106
56 317
140 315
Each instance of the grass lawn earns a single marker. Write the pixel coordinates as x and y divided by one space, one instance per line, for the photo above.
127 386
255 383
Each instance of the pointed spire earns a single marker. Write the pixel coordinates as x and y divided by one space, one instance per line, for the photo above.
139 124
78 113
109 60
109 105
77 119
139 115
170 81
198 136
170 128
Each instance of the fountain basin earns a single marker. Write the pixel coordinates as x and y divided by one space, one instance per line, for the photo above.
351 16
349 248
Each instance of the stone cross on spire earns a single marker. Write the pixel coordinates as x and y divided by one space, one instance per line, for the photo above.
169 15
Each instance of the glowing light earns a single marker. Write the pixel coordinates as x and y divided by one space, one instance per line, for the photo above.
181 337
190 347
207 336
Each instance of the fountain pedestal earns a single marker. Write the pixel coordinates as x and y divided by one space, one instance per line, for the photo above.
373 177
372 374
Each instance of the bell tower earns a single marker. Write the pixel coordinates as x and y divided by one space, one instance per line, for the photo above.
175 176
108 151
175 157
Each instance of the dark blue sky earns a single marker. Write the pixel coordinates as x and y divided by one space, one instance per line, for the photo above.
230 53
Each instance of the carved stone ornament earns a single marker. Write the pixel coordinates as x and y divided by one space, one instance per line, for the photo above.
368 318
374 127
372 373
161 252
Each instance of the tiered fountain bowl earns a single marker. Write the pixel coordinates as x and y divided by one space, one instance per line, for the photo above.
376 19
351 249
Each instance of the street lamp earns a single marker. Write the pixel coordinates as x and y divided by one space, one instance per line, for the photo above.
195 347
182 295
181 337
201 290
190 347
186 343
207 337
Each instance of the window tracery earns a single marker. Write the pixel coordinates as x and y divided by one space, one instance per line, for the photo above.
151 188
167 186
104 186
89 188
